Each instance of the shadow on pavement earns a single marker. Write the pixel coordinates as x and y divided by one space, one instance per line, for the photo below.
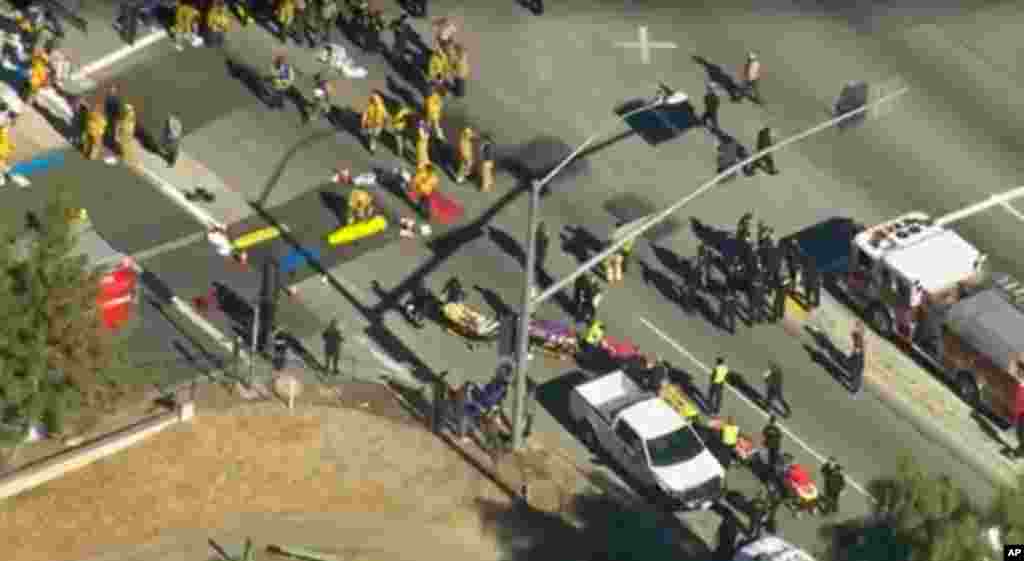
553 396
718 75
606 530
508 244
494 301
578 242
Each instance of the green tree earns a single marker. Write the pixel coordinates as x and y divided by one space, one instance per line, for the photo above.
1007 513
919 517
54 351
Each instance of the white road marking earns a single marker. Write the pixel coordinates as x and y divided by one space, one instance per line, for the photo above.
1016 213
817 456
115 56
167 247
645 45
171 192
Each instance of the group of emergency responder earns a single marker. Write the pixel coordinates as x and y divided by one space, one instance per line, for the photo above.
763 270
654 375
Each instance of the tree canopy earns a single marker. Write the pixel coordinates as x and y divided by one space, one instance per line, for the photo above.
54 349
923 517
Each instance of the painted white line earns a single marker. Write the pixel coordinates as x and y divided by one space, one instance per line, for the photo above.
115 56
167 247
707 370
1016 213
173 193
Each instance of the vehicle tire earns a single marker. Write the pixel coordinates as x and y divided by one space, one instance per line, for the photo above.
588 436
968 389
880 320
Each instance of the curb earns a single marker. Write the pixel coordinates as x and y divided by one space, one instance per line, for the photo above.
921 401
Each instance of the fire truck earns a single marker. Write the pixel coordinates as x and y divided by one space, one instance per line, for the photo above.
919 283
117 298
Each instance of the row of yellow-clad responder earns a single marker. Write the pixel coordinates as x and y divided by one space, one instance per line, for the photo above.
617 263
124 133
448 67
187 18
375 120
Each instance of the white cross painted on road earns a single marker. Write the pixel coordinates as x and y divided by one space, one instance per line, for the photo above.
645 45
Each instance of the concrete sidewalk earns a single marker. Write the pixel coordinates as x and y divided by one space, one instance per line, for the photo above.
913 392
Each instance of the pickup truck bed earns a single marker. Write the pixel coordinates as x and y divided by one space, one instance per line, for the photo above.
610 409
611 394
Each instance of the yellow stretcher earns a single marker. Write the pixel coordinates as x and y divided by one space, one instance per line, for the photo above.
255 237
470 321
357 231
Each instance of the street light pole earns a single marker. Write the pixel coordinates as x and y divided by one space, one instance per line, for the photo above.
528 304
649 223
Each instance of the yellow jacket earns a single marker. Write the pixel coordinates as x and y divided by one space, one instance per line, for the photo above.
376 115
400 120
126 125
425 181
460 63
217 19
674 397
439 66
285 11
434 106
39 74
359 200
184 17
422 148
466 146
6 144
594 333
96 123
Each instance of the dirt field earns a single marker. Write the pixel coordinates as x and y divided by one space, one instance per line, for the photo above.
245 471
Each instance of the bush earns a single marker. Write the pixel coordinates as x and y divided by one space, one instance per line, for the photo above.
53 417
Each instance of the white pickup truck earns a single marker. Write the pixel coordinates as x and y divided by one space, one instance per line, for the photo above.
647 437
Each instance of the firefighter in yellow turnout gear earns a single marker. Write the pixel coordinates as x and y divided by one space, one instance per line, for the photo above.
422 144
95 129
360 206
284 12
423 185
38 75
398 127
375 117
218 22
124 135
433 106
467 156
186 22
6 151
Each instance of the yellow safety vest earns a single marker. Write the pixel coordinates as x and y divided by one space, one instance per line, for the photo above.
399 120
719 375
730 434
690 412
627 248
594 334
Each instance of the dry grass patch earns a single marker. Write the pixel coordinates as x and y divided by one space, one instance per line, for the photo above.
257 458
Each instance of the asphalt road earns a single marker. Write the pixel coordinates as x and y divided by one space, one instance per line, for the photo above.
952 141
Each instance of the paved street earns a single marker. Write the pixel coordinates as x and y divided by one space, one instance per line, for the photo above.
541 86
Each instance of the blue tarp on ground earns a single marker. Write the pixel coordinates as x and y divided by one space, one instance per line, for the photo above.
42 162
